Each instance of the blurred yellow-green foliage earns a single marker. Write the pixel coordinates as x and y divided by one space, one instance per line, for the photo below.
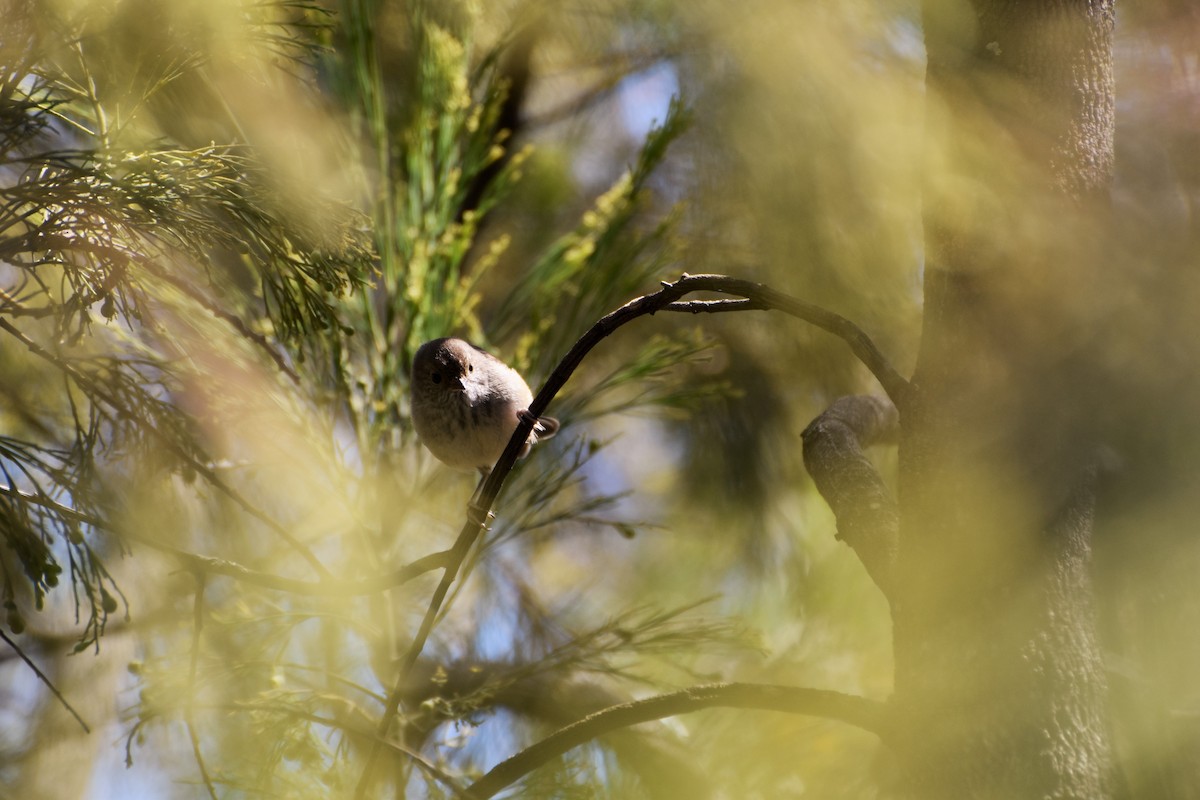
226 226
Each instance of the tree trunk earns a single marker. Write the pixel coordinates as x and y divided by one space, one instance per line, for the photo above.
1000 688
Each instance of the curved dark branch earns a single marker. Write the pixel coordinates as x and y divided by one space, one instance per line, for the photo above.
760 297
870 715
866 513
756 296
662 765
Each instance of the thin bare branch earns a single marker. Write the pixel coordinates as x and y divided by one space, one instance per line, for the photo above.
759 296
715 306
50 504
42 677
867 714
756 296
13 307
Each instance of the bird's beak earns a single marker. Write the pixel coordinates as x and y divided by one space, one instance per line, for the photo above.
458 385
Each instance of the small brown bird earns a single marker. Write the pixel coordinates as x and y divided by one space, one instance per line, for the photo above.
466 403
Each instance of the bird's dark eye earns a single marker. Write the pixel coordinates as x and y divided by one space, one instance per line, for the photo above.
470 367
436 377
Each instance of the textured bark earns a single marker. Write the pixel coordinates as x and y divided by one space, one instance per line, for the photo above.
997 663
866 513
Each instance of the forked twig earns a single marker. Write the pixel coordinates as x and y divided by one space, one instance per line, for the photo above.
754 296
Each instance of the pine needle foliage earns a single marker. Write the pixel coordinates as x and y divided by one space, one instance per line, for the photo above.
213 357
108 234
